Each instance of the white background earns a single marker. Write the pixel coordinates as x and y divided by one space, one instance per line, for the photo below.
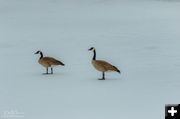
140 37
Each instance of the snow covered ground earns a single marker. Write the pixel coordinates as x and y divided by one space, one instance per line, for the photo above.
140 37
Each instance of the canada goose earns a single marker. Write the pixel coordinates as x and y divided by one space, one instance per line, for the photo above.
48 62
101 65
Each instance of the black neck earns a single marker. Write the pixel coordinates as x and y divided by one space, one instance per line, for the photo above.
94 57
41 55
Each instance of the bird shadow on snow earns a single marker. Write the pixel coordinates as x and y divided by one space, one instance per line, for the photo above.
100 79
109 79
52 76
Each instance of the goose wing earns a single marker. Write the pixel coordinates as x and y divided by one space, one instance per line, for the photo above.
52 61
107 66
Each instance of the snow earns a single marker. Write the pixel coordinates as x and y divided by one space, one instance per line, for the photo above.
139 37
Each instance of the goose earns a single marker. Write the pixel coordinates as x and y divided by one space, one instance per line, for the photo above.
48 62
101 65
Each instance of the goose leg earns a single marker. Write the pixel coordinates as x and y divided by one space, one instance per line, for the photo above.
47 70
103 78
51 70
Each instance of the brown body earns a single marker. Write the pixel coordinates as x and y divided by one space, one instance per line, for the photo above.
49 62
103 66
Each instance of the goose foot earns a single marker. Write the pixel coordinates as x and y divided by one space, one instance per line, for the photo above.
47 73
101 79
